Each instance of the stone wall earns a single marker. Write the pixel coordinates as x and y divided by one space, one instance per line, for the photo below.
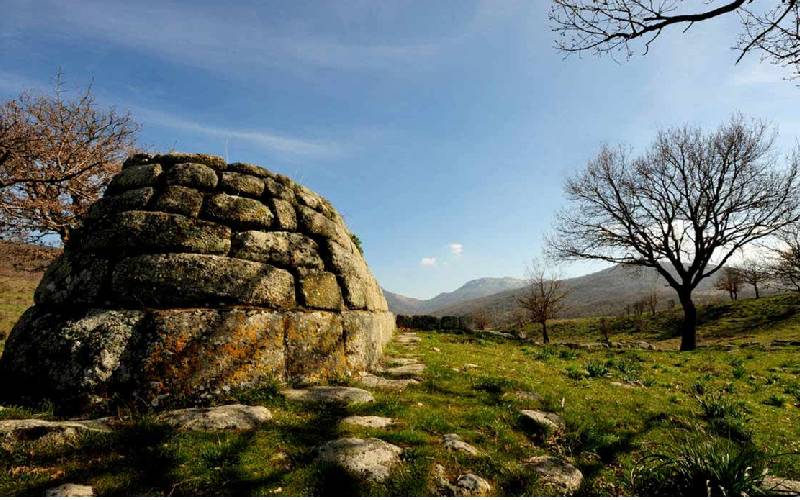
434 323
191 278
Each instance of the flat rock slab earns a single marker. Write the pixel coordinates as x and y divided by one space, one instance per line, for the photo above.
371 458
405 370
329 395
454 442
219 418
374 381
373 421
556 472
547 420
70 490
32 428
470 485
407 339
401 361
780 486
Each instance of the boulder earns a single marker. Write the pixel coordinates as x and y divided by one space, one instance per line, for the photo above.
453 442
371 459
32 428
70 490
373 421
220 418
547 421
471 485
556 473
329 395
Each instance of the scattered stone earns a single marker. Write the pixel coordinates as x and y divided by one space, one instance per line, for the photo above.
371 458
329 395
371 380
556 472
405 370
220 418
70 490
551 422
453 442
470 485
436 349
527 396
617 383
31 428
373 421
470 366
780 486
401 361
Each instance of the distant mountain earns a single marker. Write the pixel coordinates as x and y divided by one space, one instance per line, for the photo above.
606 292
470 290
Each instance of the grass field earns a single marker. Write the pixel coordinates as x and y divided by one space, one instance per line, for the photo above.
621 407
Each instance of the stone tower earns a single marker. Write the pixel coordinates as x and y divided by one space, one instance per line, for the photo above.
191 279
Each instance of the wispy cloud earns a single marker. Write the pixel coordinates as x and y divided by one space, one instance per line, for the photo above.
264 139
427 262
456 248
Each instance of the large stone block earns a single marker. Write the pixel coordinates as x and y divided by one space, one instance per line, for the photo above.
171 159
365 335
315 349
317 224
135 177
194 175
134 199
279 247
180 200
154 231
238 212
196 355
73 279
241 184
284 214
277 189
200 280
320 290
64 359
361 291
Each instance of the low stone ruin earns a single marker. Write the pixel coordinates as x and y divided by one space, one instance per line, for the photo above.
191 279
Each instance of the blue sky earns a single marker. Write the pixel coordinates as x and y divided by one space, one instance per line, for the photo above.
442 131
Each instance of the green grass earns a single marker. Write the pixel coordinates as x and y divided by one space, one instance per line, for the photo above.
626 411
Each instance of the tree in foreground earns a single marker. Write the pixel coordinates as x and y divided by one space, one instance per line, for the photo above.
683 208
57 154
543 296
729 280
754 272
769 27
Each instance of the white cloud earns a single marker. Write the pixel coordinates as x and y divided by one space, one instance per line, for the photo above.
264 139
456 248
428 262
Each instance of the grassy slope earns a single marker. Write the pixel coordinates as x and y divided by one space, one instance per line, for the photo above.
609 427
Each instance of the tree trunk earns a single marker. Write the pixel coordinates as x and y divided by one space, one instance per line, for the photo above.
755 285
689 327
545 337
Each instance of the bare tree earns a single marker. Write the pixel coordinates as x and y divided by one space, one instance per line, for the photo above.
651 300
690 199
56 156
785 268
543 296
754 272
770 27
730 281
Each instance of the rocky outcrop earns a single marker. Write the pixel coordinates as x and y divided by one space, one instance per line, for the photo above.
192 278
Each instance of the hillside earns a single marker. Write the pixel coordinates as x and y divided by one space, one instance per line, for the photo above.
606 292
474 289
21 268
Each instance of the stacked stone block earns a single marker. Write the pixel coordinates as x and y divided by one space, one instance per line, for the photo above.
192 278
